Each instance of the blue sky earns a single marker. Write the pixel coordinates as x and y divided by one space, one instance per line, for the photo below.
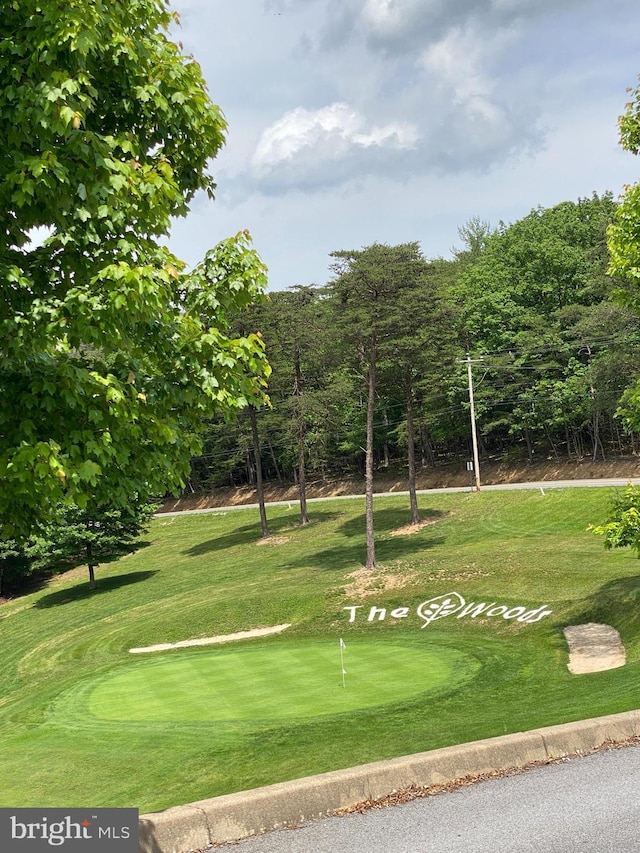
355 121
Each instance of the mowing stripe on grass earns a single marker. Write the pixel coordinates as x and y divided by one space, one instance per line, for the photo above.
276 682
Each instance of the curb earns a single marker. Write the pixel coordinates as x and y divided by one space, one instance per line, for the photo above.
235 816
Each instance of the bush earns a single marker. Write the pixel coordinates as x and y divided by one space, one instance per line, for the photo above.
622 529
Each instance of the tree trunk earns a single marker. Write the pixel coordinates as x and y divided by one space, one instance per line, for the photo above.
258 470
275 462
411 454
617 436
597 441
527 438
90 564
302 477
385 446
428 455
577 443
368 479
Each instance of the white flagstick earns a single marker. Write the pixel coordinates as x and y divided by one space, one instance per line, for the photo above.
342 648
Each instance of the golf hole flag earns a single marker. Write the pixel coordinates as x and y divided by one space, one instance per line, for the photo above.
342 648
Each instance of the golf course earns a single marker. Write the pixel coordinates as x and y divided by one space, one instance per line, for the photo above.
359 675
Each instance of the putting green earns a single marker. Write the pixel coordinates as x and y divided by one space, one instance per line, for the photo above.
278 681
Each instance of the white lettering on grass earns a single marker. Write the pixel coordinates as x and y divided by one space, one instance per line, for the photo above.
438 608
380 612
453 604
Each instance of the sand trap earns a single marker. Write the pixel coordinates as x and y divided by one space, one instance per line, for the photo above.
594 648
211 641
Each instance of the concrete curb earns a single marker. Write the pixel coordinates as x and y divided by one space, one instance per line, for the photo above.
236 816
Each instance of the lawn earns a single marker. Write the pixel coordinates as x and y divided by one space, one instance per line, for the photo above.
84 722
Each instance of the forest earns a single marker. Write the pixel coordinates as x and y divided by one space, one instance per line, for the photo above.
552 337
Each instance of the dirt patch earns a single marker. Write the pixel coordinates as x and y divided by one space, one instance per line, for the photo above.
364 582
210 641
594 648
274 540
427 478
408 529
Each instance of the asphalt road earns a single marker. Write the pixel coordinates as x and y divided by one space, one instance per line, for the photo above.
542 485
585 805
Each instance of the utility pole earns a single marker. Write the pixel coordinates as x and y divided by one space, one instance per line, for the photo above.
474 437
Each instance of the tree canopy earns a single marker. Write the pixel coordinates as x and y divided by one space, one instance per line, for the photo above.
110 353
624 232
624 243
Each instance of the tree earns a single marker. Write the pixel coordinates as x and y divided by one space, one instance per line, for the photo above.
362 291
624 232
293 324
624 244
257 458
109 353
416 349
474 235
526 301
92 535
622 528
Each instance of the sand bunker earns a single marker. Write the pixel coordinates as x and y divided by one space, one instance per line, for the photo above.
593 648
211 641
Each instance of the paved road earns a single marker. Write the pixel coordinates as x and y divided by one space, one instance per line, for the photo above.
586 805
541 485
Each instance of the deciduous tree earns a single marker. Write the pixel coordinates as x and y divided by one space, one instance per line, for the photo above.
109 353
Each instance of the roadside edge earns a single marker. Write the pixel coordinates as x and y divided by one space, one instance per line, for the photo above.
232 817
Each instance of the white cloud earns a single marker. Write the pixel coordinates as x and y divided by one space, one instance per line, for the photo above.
477 109
457 61
455 108
329 134
381 13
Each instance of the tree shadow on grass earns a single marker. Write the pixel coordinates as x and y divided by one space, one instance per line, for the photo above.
249 534
346 556
82 591
38 579
388 548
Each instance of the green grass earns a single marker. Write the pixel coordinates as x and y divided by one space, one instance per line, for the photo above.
84 722
275 682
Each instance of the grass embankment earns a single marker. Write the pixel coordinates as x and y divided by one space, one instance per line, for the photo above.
83 722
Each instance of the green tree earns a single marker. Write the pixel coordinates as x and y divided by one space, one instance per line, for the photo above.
365 287
417 348
525 302
90 536
294 326
622 529
624 244
624 232
109 354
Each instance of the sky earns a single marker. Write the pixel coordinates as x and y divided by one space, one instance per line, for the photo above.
361 121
